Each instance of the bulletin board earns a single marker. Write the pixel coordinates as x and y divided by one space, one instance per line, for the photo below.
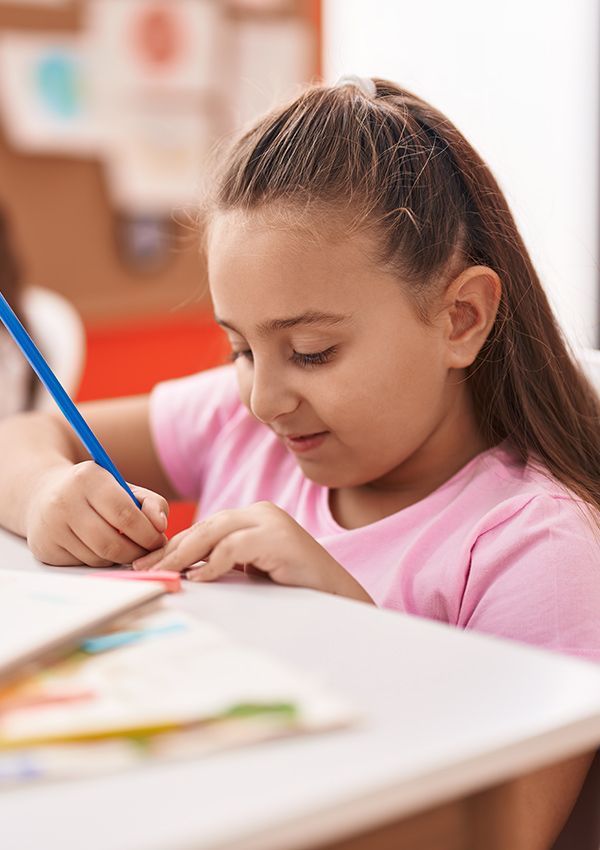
68 232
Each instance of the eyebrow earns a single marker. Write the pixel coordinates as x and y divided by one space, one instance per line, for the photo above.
310 317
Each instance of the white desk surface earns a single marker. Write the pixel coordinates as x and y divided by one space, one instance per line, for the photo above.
444 713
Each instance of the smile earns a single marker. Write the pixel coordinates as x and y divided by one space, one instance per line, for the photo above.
305 443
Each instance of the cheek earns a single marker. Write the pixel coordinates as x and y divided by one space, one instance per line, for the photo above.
391 387
244 379
415 403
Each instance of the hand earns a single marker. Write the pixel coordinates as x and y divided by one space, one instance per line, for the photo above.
81 515
260 538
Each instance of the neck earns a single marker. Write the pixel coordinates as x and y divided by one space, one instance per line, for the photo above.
454 441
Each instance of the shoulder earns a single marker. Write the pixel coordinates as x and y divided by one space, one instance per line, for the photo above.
534 567
496 487
194 420
519 498
197 406
215 387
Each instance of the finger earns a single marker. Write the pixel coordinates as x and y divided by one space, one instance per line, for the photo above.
240 547
154 506
83 553
253 571
197 542
118 509
178 555
60 557
150 559
103 540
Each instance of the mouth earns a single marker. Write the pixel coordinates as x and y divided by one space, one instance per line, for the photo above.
305 442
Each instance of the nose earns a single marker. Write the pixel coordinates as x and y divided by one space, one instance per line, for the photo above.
271 395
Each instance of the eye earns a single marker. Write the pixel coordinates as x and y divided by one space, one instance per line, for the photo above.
245 353
315 359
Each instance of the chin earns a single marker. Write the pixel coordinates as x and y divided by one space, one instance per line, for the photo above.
332 479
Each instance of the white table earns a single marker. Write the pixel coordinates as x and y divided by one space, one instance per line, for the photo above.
446 714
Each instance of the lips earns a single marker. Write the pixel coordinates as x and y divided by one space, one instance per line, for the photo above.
305 442
301 436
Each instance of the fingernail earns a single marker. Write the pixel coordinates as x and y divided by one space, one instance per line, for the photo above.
162 524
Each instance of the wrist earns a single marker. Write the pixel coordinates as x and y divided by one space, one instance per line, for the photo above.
31 489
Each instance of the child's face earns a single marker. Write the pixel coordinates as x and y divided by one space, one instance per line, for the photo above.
373 380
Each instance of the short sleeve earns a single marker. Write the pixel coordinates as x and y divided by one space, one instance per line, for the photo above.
535 578
186 416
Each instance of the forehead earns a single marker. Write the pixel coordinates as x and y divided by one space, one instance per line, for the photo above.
263 264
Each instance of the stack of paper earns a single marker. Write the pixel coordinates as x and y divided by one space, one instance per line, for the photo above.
42 614
160 683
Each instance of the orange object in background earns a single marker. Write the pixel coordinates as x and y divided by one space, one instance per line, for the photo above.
130 358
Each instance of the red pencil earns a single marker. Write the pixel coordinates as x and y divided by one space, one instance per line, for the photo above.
171 580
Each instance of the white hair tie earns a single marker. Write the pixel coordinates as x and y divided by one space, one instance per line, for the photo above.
364 84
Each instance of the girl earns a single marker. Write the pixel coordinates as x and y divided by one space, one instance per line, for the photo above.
402 423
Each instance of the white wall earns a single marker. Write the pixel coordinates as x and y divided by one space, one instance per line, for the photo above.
520 79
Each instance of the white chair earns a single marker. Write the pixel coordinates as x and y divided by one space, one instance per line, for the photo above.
58 331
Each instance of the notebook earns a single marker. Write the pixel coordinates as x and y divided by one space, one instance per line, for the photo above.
44 615
181 673
176 688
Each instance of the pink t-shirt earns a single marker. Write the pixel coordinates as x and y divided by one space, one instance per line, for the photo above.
499 547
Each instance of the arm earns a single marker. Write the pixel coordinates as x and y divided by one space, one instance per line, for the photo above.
264 539
48 480
534 578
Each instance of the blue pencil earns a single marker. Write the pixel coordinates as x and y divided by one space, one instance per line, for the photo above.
58 393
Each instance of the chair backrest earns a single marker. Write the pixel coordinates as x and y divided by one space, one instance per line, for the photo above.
582 829
58 331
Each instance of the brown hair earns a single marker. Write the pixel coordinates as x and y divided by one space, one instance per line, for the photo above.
402 170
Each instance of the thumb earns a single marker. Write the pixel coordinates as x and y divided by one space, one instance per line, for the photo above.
154 506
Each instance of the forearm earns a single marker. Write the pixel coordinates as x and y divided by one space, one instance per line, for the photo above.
31 444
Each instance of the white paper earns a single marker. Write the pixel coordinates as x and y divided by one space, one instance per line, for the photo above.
148 47
183 672
155 160
270 60
44 94
39 610
153 68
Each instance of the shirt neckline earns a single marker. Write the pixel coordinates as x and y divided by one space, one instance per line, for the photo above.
329 519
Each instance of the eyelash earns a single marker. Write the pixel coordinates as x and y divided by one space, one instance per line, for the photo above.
304 360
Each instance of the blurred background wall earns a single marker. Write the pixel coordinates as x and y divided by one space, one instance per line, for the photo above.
109 112
110 109
520 80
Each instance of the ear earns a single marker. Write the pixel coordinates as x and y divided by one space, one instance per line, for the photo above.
470 305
